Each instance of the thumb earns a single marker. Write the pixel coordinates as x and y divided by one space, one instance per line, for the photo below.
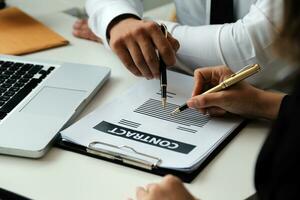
216 99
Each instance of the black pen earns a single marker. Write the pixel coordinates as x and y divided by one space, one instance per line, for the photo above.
163 72
163 81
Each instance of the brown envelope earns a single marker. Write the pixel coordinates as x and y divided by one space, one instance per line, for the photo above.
21 34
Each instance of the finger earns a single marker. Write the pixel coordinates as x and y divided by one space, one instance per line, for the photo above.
192 103
140 193
201 77
149 53
216 99
86 35
83 33
223 73
84 27
78 24
206 76
126 59
216 112
82 30
174 43
161 43
154 189
150 186
171 181
81 25
138 59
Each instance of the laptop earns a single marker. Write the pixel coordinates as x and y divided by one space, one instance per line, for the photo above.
40 98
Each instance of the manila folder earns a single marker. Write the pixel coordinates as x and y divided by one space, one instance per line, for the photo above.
21 34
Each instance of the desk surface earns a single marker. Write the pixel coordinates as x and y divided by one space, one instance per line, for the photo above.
66 175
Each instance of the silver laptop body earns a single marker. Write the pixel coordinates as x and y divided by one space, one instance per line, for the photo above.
29 129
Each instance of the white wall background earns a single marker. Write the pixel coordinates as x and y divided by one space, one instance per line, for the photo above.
67 4
149 4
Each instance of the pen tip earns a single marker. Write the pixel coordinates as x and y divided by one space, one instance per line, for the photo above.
175 111
164 102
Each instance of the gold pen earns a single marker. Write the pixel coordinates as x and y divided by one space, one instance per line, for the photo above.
233 79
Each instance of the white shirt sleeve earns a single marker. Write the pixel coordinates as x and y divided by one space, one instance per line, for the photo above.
102 12
247 41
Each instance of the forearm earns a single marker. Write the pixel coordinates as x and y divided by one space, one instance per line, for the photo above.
247 41
198 45
228 44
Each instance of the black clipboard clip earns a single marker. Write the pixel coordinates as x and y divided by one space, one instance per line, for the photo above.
127 159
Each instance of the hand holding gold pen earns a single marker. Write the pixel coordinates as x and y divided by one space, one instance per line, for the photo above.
233 79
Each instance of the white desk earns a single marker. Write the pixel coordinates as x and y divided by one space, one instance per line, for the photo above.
66 175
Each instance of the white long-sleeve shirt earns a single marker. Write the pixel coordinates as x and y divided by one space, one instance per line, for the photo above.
249 40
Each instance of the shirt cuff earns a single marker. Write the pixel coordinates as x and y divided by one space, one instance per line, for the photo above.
101 18
170 25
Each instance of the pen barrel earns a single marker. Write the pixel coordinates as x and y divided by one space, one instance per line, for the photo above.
241 76
215 89
235 78
163 91
183 107
163 71
163 78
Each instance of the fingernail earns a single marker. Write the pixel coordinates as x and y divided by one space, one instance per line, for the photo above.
137 73
191 103
148 77
157 76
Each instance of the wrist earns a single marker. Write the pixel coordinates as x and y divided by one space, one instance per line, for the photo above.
117 20
269 104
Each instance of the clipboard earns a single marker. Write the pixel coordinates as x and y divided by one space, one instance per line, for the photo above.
144 165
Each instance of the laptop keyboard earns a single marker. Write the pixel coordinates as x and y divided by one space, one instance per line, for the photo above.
17 80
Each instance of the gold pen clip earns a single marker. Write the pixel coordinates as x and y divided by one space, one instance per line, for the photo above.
164 29
244 69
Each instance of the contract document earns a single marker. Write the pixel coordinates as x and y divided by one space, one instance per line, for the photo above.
135 125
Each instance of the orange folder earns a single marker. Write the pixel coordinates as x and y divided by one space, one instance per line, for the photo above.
21 34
